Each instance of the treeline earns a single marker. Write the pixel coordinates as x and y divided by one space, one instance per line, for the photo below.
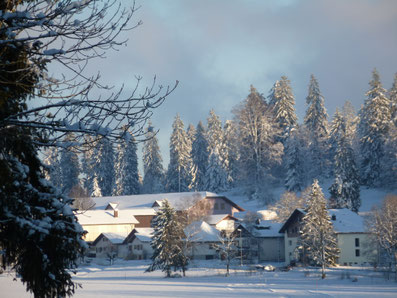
261 147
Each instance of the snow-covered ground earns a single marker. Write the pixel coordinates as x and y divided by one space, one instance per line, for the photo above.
127 279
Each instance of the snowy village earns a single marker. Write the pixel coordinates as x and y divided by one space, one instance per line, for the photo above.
198 148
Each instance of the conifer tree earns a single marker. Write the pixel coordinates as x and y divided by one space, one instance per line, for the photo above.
293 162
87 164
191 133
167 241
318 238
153 171
53 171
282 103
231 151
178 174
103 168
317 126
393 100
216 175
218 164
200 157
126 169
375 120
345 190
70 165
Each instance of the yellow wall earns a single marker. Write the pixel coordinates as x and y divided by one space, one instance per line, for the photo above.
95 230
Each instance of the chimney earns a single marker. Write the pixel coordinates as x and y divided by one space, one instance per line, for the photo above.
116 212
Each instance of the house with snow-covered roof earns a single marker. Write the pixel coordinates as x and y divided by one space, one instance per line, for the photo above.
136 246
108 243
95 222
352 237
222 222
192 203
202 241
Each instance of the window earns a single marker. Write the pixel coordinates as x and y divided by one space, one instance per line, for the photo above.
357 252
290 242
357 240
222 206
216 206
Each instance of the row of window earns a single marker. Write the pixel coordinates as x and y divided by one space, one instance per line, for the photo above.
221 205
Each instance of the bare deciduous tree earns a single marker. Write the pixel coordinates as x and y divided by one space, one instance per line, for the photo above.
382 223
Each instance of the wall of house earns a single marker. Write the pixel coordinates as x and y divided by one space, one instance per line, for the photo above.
202 251
290 244
136 250
226 225
353 251
220 206
271 249
144 221
103 247
95 230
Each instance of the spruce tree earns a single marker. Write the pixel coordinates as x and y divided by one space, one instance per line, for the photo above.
231 151
282 103
53 170
90 151
70 165
218 164
103 168
199 158
126 168
318 239
153 171
167 241
345 191
317 126
178 174
293 162
393 100
375 120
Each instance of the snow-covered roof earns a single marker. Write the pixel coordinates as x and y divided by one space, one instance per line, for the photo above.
106 217
200 231
268 228
179 201
267 214
216 218
144 234
112 206
114 238
347 221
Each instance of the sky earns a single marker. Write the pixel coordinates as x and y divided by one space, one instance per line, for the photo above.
217 48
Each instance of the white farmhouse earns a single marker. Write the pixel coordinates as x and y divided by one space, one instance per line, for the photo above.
353 240
202 240
136 245
108 244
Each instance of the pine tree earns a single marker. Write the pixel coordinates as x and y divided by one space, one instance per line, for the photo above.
152 164
282 103
294 180
200 157
70 165
318 238
53 171
317 127
178 174
345 190
167 241
375 120
103 168
191 133
126 169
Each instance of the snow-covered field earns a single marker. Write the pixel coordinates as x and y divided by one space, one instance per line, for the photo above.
127 279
